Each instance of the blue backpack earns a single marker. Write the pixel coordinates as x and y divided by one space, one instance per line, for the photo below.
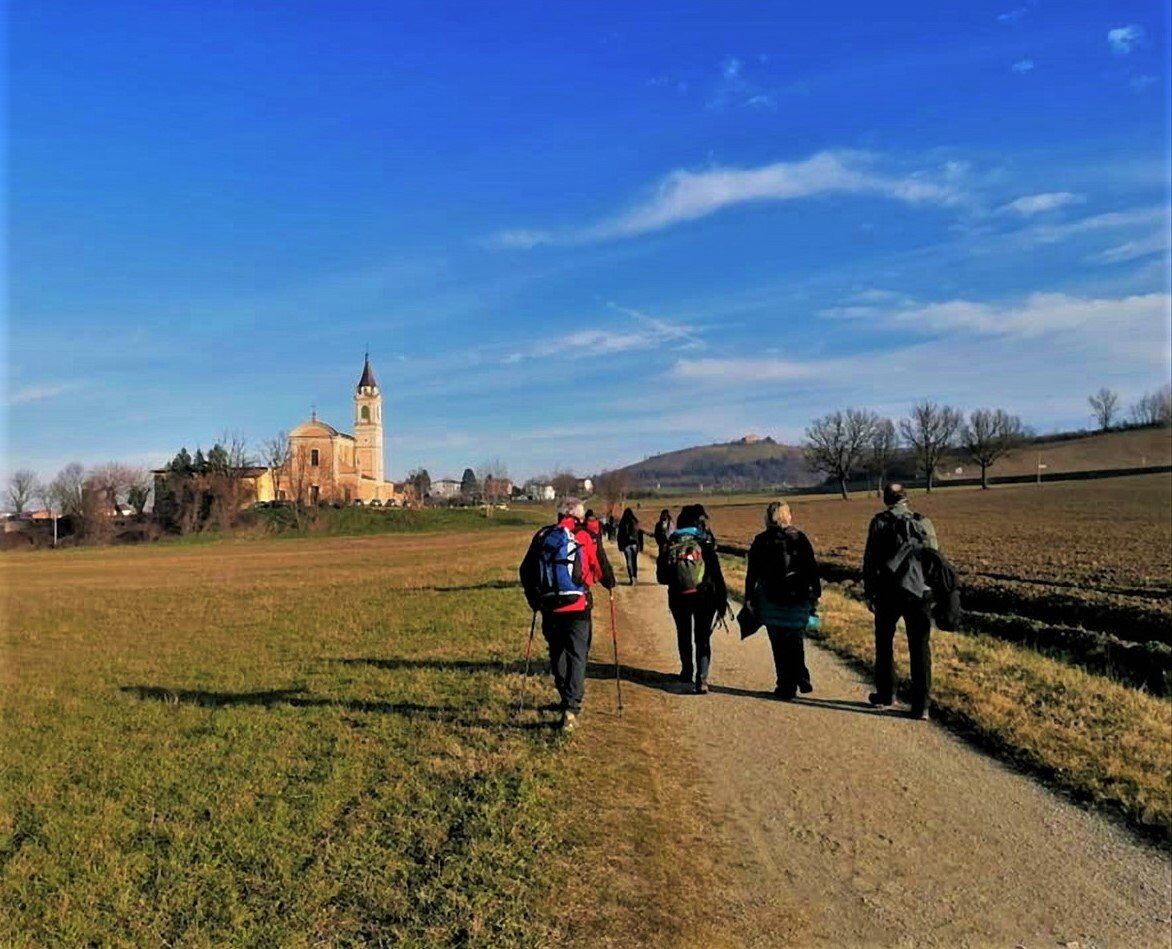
560 562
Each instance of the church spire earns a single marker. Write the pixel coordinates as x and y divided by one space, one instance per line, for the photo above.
368 380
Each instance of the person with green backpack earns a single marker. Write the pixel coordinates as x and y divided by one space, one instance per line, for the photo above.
689 567
782 589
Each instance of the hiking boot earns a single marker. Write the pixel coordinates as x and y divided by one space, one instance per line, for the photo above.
684 675
569 722
919 714
701 686
806 687
879 701
786 695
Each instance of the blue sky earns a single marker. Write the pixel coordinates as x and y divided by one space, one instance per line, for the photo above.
575 234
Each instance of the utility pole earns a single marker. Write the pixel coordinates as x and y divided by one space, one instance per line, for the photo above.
1041 468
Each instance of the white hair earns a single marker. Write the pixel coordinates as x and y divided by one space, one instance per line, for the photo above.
571 507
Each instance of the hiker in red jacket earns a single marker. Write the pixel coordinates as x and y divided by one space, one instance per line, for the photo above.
563 562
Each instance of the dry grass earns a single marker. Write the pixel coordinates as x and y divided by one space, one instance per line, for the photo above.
1098 740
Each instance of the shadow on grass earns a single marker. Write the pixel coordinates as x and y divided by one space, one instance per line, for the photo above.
298 698
469 587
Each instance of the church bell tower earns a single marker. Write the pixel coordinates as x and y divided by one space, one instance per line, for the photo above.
368 425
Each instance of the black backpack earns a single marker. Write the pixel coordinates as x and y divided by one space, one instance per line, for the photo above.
905 539
782 582
941 577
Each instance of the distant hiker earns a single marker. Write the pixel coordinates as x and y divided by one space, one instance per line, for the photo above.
895 587
562 564
663 528
630 541
782 589
696 593
608 525
594 525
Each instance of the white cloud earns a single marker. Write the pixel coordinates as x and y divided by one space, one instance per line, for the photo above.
1031 204
641 332
1023 66
1012 16
753 370
1123 39
39 393
1096 223
1140 83
1157 243
689 195
1038 315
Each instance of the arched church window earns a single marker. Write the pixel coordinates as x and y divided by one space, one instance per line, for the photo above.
314 457
366 413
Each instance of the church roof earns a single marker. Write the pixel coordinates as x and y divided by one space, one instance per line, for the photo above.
368 380
316 426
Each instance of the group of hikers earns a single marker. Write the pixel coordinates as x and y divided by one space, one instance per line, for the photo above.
904 577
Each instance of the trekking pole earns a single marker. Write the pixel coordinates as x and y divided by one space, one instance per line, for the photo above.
528 658
614 638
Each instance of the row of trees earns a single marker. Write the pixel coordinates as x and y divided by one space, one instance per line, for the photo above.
855 441
87 497
1152 408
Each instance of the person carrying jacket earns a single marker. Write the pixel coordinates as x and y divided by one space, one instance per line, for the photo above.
782 587
694 610
895 588
565 604
630 542
663 528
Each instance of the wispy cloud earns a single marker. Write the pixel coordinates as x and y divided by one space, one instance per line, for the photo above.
689 195
735 88
641 331
1158 215
1031 204
40 393
1012 16
1158 243
1023 66
1140 83
756 369
1123 39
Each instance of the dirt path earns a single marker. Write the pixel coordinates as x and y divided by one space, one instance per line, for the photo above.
877 830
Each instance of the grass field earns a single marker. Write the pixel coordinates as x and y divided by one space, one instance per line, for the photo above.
296 741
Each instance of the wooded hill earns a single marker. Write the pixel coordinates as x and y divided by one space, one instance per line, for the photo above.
760 463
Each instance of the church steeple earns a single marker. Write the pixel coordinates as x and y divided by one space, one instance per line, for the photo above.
368 380
368 424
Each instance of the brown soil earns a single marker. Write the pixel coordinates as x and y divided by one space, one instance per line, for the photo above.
858 827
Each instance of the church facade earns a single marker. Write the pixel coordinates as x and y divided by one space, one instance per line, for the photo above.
328 466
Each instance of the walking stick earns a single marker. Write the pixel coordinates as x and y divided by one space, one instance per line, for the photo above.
614 638
528 657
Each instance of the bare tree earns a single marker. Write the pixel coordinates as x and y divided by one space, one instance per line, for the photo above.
275 453
564 484
881 450
23 486
493 476
1153 408
990 434
67 489
930 431
834 443
139 495
613 486
112 483
1104 406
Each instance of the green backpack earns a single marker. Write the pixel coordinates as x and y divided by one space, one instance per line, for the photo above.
685 560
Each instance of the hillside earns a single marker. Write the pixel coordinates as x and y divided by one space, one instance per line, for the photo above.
754 462
748 462
1136 448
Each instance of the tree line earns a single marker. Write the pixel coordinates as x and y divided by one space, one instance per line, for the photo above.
854 441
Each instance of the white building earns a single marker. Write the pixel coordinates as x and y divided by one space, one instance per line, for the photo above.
445 488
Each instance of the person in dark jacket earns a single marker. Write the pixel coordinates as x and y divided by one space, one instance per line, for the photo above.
782 587
663 528
694 610
630 542
894 587
565 617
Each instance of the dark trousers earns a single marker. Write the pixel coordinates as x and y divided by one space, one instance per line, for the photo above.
917 622
568 636
631 555
789 658
693 615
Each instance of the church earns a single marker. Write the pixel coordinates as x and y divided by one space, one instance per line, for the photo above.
328 466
